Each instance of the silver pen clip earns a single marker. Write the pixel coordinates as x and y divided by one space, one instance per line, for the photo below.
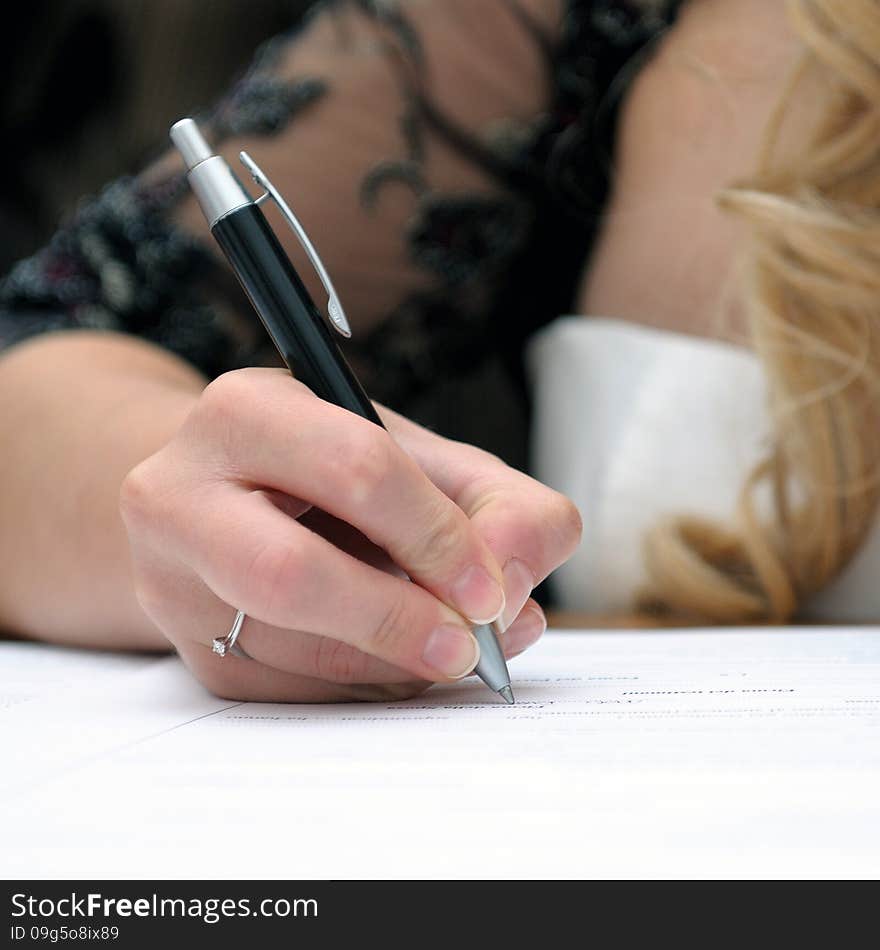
334 307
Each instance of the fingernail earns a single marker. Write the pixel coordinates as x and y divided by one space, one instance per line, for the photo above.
528 628
451 650
478 595
518 584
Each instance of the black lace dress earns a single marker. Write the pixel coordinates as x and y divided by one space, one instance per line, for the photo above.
486 264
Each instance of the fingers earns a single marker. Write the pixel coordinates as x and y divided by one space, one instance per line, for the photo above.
336 681
530 528
524 630
250 681
531 533
253 556
310 668
184 607
277 434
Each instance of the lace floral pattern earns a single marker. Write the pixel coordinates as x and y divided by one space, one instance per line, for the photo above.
120 265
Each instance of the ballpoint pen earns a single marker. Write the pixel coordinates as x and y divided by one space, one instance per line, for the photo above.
299 332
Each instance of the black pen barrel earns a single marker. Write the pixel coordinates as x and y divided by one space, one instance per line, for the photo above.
297 328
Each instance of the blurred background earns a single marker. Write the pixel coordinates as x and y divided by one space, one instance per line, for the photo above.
90 87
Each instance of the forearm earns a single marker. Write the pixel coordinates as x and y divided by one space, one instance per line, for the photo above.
79 411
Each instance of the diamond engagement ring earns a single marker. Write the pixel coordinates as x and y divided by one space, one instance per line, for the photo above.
223 645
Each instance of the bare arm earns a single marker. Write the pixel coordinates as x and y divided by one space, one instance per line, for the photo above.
79 410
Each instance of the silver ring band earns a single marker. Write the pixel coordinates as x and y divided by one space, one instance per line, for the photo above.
223 645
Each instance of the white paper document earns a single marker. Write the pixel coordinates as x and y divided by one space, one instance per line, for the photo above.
652 753
30 671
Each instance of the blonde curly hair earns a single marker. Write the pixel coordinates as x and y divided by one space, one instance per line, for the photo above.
812 266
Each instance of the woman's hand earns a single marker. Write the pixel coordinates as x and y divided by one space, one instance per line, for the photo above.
305 516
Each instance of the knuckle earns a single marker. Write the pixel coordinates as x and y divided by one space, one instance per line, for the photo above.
222 410
336 661
362 465
542 528
271 581
135 492
223 396
565 521
141 492
229 388
155 499
440 541
388 634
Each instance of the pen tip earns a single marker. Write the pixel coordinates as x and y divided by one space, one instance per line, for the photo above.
507 693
